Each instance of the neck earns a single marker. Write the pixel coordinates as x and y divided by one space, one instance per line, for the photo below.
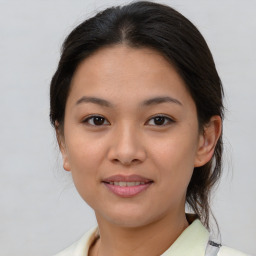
152 239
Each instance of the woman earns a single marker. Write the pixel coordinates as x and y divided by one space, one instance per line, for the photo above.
136 102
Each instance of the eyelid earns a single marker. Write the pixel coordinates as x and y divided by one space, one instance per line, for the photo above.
90 117
170 119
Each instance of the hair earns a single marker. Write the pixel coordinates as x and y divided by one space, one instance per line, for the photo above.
159 27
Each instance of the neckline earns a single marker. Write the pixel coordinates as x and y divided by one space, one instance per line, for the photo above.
192 241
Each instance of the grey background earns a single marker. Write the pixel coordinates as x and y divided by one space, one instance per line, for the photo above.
40 211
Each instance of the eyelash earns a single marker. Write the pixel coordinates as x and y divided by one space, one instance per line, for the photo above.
167 120
86 120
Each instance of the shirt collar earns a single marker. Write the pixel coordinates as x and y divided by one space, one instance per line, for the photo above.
192 241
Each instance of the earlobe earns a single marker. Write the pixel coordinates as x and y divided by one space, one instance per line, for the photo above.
208 140
62 147
66 165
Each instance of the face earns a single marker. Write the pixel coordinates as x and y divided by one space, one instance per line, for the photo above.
131 136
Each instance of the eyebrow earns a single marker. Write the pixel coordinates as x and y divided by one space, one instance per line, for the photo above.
94 100
158 100
149 102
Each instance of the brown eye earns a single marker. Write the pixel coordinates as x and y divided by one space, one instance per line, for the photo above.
96 121
160 120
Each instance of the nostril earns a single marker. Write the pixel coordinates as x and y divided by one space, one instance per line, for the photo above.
126 155
126 162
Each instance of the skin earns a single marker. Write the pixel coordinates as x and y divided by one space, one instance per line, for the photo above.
130 141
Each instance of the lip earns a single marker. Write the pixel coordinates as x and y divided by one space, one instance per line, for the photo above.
127 191
127 178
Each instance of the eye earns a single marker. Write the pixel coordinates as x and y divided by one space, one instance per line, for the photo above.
160 120
96 121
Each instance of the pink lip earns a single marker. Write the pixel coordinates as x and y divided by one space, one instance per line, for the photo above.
127 191
130 178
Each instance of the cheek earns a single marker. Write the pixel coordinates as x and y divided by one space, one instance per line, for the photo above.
84 152
85 156
174 157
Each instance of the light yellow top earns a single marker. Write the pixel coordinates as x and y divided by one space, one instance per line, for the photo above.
192 242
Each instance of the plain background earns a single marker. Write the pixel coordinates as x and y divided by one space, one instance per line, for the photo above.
40 210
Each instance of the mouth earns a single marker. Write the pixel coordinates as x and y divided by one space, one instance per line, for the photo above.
127 186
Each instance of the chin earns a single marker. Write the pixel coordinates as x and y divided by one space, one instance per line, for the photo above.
129 218
130 222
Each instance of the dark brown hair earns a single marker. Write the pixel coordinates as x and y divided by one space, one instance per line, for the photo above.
147 24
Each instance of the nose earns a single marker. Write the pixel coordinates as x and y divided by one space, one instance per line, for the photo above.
126 147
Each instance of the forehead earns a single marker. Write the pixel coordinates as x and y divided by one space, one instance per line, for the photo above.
123 61
122 72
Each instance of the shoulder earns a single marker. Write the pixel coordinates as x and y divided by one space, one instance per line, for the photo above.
227 251
68 251
81 247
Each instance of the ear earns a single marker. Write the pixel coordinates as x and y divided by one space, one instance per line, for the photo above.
208 140
62 146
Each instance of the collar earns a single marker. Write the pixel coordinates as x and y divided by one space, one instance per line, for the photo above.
192 242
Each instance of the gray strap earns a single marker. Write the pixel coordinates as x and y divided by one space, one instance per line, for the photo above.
212 249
